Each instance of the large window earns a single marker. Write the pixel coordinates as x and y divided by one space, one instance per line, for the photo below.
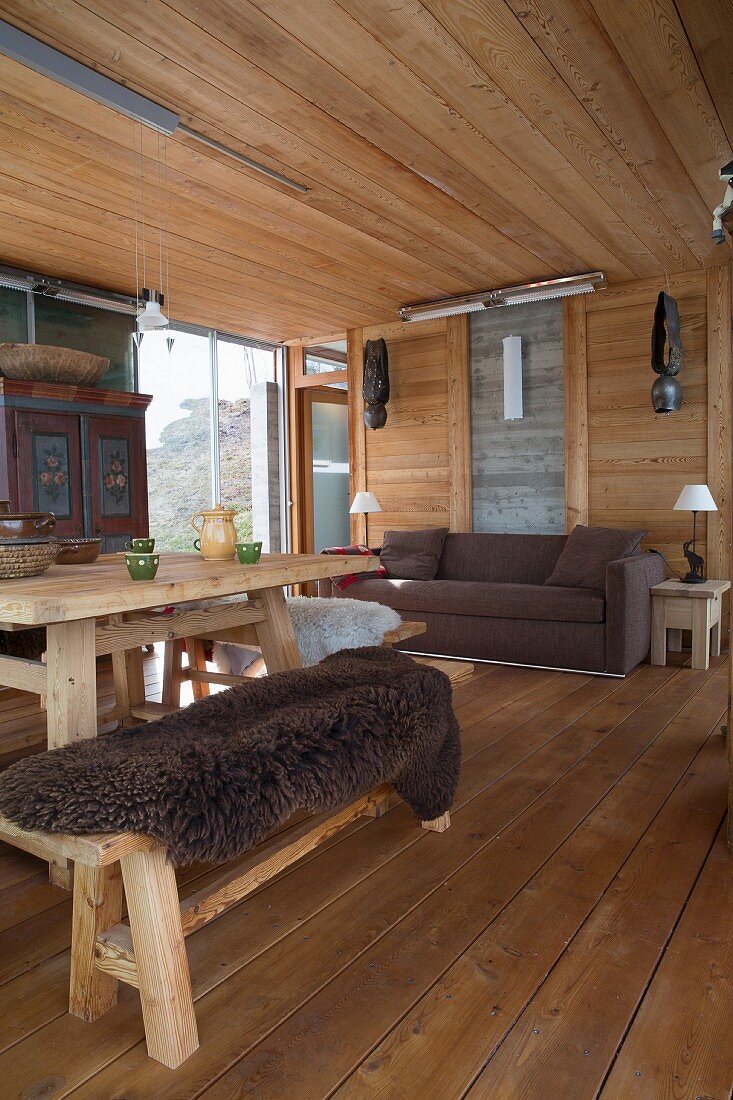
199 428
13 316
86 328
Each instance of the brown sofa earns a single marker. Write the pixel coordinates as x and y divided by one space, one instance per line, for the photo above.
489 601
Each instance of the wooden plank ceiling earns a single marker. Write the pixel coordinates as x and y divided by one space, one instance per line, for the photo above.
446 146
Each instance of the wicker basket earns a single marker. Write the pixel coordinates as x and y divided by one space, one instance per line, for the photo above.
27 559
43 363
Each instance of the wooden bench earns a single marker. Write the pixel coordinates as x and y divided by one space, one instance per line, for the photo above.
149 952
175 674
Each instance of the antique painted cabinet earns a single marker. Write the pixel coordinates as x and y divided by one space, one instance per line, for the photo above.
76 452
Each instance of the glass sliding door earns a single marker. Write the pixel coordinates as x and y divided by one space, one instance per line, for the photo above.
238 367
326 496
179 433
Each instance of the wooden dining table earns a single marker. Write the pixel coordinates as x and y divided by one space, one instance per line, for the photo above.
93 610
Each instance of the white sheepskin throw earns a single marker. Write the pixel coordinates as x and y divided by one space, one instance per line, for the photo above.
321 627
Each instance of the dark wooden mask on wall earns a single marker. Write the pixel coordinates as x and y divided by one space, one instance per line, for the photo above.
666 390
376 383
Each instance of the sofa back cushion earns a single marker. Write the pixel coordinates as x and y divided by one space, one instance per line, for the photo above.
588 551
413 555
506 559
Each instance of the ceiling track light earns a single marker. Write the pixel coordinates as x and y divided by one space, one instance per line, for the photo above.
540 291
50 62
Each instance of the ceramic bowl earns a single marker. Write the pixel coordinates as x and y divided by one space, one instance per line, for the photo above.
142 567
26 525
78 551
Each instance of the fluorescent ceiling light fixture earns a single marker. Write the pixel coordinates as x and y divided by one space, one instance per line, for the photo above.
97 301
17 279
16 282
508 296
80 78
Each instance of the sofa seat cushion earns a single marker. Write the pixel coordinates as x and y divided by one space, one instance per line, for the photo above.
486 598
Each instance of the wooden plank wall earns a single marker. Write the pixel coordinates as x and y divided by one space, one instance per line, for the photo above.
625 465
406 462
637 461
418 465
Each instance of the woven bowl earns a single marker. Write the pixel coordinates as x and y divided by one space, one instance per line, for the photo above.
43 363
26 559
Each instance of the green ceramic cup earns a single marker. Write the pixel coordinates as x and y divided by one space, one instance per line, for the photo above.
249 552
142 567
141 546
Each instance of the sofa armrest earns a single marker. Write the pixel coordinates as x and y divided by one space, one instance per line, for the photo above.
629 609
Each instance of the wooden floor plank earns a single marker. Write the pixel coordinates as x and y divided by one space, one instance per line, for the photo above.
296 974
679 1044
566 1039
323 973
315 1048
494 980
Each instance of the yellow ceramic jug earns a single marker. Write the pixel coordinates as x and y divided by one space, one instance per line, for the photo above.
217 533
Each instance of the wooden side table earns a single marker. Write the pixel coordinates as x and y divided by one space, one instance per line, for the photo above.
677 606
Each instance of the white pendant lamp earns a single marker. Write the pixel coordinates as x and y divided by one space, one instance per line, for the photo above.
363 503
513 406
151 316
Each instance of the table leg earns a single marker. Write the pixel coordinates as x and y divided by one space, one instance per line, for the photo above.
173 672
659 634
196 649
71 699
275 635
700 634
135 674
674 640
715 639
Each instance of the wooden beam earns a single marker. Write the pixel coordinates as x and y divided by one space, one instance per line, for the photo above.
93 849
459 422
119 634
202 907
720 426
575 374
357 441
294 368
305 381
24 675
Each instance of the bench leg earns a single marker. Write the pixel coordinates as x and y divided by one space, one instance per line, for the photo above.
97 907
378 808
438 824
160 955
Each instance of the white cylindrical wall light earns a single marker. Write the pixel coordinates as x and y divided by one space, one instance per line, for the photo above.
513 378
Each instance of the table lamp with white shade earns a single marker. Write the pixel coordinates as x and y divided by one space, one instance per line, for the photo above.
363 503
695 498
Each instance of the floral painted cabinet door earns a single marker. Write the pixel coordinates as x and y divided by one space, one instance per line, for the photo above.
50 473
118 488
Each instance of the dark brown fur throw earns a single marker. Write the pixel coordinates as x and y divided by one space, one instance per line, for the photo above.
211 781
23 643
